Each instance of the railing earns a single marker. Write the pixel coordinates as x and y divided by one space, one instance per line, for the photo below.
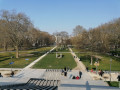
34 83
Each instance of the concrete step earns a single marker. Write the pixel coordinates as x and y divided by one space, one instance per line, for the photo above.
85 85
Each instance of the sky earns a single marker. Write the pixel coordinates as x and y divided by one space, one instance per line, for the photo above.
64 15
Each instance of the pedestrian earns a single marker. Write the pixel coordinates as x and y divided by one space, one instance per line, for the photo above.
1 75
73 77
118 78
87 69
80 74
101 73
65 69
68 68
65 73
77 77
74 56
12 74
91 70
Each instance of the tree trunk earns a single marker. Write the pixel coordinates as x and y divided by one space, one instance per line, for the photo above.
5 45
17 52
91 60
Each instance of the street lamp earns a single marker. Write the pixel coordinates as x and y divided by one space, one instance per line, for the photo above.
11 63
110 68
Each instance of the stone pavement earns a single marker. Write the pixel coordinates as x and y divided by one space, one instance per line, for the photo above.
66 83
85 83
22 77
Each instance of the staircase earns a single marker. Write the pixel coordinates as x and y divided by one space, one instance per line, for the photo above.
34 83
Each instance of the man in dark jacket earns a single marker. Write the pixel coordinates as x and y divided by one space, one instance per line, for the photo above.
1 75
80 74
118 77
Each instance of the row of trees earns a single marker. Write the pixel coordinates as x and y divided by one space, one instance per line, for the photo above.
62 38
103 38
16 30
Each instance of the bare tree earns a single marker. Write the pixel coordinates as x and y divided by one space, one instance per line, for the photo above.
18 24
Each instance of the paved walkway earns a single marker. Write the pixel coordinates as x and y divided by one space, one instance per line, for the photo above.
85 83
22 77
80 65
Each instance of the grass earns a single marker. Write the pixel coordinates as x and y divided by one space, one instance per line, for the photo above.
51 62
113 83
104 60
5 58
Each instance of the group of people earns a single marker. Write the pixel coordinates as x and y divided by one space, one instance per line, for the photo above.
100 72
77 77
12 74
65 70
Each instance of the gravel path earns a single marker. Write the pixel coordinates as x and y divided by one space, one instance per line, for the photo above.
80 65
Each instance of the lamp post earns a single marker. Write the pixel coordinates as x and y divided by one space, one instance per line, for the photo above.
11 63
96 64
110 68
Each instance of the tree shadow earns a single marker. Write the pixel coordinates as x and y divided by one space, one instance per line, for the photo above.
5 59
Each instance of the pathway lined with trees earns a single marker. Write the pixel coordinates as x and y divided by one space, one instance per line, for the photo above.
80 65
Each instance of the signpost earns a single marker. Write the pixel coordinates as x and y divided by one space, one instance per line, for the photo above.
11 63
26 60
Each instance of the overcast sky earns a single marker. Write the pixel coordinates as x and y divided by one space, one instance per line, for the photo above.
64 15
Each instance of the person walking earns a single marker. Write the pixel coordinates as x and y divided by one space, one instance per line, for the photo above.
1 75
65 69
118 80
101 73
65 73
80 74
87 69
12 74
118 77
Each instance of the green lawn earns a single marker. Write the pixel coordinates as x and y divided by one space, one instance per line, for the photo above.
104 60
113 83
5 58
51 62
